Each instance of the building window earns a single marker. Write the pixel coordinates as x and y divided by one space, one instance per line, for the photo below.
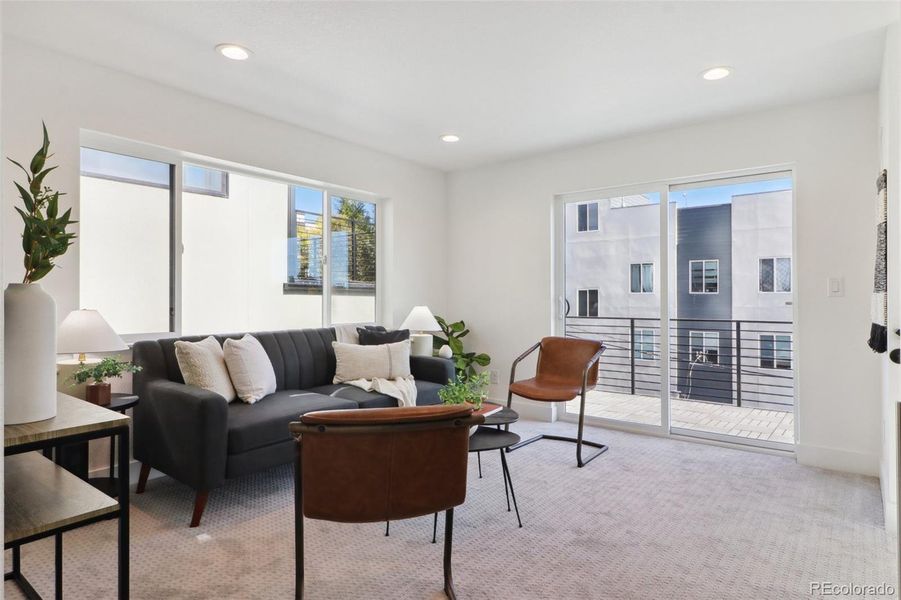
643 344
588 303
125 257
775 351
775 275
588 216
201 180
642 278
704 346
705 276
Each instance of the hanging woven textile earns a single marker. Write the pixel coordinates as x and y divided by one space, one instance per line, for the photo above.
879 329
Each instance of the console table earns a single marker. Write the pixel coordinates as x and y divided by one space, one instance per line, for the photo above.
43 499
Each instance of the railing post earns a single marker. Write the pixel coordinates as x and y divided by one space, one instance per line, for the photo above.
632 351
738 363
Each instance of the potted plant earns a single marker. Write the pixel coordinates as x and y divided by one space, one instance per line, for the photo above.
453 338
472 389
98 392
29 312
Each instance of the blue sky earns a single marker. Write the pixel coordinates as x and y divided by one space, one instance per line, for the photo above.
708 196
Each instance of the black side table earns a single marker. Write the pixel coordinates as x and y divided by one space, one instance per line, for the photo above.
110 485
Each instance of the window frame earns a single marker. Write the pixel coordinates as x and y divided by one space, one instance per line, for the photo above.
706 334
641 281
178 158
775 358
775 260
597 217
703 262
587 302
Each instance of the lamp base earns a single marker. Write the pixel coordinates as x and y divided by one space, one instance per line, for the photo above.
421 344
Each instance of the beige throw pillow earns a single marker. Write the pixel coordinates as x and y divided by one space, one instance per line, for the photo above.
202 365
386 361
250 368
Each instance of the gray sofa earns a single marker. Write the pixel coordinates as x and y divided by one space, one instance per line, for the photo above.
197 438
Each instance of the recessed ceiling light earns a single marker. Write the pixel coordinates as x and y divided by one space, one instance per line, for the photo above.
716 73
233 51
450 138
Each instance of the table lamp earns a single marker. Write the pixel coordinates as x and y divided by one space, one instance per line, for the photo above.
84 331
420 320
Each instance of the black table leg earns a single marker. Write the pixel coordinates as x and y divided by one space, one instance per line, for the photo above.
59 566
123 514
112 457
510 481
435 529
479 456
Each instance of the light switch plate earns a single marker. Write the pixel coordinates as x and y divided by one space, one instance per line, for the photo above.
835 287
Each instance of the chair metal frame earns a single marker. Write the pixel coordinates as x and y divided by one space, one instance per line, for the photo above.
578 440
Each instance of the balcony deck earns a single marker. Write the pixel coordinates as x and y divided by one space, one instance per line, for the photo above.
745 422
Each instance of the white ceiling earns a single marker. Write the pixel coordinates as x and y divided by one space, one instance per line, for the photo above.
510 78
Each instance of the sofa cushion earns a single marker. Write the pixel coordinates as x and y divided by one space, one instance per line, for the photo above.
266 421
426 394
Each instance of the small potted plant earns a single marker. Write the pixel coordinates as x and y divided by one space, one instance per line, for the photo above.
472 389
98 392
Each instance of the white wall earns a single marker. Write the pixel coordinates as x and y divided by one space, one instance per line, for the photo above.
77 95
890 159
505 212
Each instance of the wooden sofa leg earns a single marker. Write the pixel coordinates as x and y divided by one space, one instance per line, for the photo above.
199 505
142 478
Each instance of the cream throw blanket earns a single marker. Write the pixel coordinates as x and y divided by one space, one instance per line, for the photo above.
403 389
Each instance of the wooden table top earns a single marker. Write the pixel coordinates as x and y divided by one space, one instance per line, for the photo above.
41 496
73 417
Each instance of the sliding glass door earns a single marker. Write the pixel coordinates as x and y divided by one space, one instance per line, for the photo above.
689 286
612 292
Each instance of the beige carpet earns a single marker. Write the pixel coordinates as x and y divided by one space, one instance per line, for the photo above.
653 518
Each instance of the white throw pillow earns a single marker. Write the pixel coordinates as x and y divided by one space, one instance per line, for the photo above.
250 368
385 361
202 365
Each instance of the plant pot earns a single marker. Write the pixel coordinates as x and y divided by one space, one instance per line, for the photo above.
29 349
98 393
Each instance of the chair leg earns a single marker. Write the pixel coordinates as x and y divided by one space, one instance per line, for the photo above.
298 528
142 478
435 529
448 549
578 441
199 504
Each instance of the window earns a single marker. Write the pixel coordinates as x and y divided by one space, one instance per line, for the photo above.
201 180
588 303
775 275
353 260
642 278
705 276
643 344
124 241
775 351
588 216
704 346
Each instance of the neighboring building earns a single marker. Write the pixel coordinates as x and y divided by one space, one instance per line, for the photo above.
612 293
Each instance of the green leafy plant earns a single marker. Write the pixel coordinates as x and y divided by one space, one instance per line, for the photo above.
463 361
106 368
45 237
472 389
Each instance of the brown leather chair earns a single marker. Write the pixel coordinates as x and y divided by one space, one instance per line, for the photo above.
567 367
381 464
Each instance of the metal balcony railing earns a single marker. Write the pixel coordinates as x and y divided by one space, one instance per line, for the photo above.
736 362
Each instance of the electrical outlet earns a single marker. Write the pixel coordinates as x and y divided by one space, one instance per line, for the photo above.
493 376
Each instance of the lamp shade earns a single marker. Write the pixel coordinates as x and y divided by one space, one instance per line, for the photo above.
420 319
86 331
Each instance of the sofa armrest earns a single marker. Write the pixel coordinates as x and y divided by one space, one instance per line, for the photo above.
182 431
433 368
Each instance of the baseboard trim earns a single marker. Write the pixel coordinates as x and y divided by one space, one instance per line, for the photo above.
836 459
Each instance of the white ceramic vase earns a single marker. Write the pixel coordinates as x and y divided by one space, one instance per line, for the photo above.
29 354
